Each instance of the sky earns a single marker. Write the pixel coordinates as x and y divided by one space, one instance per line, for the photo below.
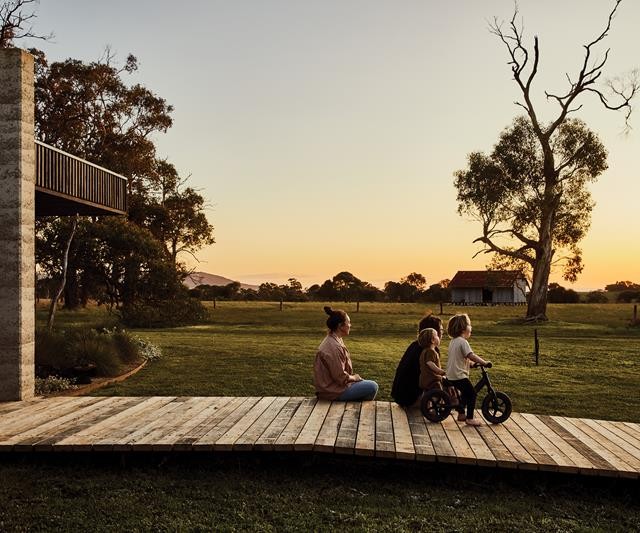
324 134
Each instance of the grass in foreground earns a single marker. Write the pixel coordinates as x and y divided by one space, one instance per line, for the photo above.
300 494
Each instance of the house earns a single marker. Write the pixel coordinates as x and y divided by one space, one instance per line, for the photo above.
482 287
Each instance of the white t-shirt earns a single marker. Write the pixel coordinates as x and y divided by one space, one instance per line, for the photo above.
457 362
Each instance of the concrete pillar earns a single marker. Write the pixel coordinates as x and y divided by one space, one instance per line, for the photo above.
17 225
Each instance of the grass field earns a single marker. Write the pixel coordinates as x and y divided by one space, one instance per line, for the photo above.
589 366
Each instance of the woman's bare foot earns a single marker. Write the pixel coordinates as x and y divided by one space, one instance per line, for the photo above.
473 422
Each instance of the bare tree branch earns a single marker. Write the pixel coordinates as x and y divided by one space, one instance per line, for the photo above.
15 22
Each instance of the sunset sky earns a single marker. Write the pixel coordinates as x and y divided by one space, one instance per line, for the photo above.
325 134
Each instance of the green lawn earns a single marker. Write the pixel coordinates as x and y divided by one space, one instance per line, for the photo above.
589 366
589 363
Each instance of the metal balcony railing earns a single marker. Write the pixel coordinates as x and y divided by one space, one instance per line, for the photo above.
66 184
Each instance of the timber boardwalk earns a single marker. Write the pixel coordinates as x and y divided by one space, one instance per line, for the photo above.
270 423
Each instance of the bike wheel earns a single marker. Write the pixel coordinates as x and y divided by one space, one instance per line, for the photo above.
435 405
496 408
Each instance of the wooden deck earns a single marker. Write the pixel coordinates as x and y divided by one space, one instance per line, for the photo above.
379 429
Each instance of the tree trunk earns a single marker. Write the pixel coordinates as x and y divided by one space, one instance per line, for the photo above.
71 288
65 261
537 307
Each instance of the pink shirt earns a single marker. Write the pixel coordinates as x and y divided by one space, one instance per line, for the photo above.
332 369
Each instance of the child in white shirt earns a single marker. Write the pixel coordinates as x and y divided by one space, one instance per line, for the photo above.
458 361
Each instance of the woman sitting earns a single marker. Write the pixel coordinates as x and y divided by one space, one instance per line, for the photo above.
333 374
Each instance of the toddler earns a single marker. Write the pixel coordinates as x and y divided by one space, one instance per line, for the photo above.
459 356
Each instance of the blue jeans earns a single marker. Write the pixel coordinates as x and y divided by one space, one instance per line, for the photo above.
359 390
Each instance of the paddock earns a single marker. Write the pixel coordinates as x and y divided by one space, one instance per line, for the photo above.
376 429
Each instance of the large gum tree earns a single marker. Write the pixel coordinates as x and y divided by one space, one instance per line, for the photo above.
530 193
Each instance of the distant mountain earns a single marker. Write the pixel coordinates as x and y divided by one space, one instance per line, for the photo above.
203 278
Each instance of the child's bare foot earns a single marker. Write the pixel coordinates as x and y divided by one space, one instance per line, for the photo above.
462 417
473 422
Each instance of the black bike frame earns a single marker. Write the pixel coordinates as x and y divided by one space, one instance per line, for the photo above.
484 380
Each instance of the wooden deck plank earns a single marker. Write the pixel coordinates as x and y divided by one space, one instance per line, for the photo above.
503 456
617 430
162 416
543 459
248 440
9 407
129 422
484 455
600 465
524 459
207 441
23 420
443 447
421 440
547 445
326 439
196 413
103 411
25 440
85 439
166 424
366 438
629 428
402 433
348 432
581 462
228 440
463 452
287 439
309 432
267 440
207 420
385 445
610 442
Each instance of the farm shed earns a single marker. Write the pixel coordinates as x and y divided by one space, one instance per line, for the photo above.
477 287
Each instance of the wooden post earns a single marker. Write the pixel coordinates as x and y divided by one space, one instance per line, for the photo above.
280 304
635 313
214 303
441 312
358 306
536 345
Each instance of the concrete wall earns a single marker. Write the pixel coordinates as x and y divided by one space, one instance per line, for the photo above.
17 213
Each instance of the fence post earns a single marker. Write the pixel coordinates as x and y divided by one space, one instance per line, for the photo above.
441 312
635 313
280 304
214 303
536 345
358 306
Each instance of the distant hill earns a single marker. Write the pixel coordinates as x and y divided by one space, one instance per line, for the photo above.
203 278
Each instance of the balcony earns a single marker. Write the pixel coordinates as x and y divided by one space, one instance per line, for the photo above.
66 185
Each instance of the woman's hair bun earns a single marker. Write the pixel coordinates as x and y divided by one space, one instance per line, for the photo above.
328 310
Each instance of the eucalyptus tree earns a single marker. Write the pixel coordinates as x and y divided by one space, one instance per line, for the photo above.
530 193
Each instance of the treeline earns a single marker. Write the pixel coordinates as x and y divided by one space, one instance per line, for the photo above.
621 292
344 286
412 288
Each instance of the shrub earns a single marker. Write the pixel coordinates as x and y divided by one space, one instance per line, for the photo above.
597 297
52 384
628 296
148 351
51 350
87 346
127 345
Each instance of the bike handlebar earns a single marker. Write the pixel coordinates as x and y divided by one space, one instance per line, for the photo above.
477 365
